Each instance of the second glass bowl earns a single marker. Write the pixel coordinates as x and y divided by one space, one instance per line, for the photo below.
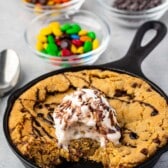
132 18
86 20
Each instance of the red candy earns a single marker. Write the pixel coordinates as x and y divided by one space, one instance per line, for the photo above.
66 52
77 42
58 42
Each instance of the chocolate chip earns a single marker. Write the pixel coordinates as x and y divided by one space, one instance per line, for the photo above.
144 151
157 140
40 106
23 110
133 135
51 109
47 105
154 113
119 93
111 131
149 90
134 85
40 115
117 128
136 5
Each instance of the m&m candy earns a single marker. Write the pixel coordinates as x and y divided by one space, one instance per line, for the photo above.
66 40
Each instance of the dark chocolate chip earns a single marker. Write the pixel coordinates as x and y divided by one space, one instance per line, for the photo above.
133 135
47 105
134 85
40 115
111 131
40 106
144 151
136 5
157 140
149 90
117 127
154 113
51 109
119 93
23 110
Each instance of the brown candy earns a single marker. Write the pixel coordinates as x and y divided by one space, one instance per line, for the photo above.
65 44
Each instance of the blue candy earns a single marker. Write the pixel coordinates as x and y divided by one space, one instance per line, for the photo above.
75 37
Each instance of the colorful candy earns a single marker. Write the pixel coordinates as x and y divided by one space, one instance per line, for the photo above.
66 40
46 2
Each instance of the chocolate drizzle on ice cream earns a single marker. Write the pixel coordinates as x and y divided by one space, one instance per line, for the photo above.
86 114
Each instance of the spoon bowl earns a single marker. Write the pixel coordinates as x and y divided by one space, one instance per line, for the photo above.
9 71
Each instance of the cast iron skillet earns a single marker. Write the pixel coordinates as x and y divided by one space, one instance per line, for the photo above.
130 64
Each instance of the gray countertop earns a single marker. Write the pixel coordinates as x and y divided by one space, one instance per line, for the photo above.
13 20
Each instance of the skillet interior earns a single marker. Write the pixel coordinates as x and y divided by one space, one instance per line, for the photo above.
20 91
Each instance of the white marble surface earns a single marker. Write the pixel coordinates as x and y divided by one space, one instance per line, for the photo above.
13 20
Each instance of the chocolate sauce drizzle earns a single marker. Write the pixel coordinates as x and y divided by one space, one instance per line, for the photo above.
38 128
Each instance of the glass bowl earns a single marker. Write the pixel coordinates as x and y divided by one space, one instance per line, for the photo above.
132 18
86 20
64 7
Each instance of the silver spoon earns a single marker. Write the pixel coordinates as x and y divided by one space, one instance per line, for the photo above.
9 71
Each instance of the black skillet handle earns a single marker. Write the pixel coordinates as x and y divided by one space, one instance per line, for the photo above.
137 53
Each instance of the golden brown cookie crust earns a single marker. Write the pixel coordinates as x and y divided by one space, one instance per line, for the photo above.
142 114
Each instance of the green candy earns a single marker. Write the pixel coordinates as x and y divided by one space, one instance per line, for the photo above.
52 49
65 27
50 39
75 28
59 53
92 35
87 46
65 65
44 51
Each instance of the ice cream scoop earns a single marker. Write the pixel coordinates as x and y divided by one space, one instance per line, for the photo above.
86 114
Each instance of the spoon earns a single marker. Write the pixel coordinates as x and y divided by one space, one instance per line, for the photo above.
9 71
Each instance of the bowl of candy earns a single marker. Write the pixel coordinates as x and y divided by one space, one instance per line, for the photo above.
70 39
41 6
133 13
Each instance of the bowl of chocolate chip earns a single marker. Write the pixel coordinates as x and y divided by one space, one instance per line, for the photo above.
133 13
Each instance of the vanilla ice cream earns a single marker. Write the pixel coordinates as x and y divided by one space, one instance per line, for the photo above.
86 114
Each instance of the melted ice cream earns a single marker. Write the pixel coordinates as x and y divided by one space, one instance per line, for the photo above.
86 114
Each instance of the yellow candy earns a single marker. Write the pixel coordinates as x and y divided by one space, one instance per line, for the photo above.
95 44
39 46
57 32
83 33
45 45
37 9
51 3
41 38
80 50
45 31
73 49
54 25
